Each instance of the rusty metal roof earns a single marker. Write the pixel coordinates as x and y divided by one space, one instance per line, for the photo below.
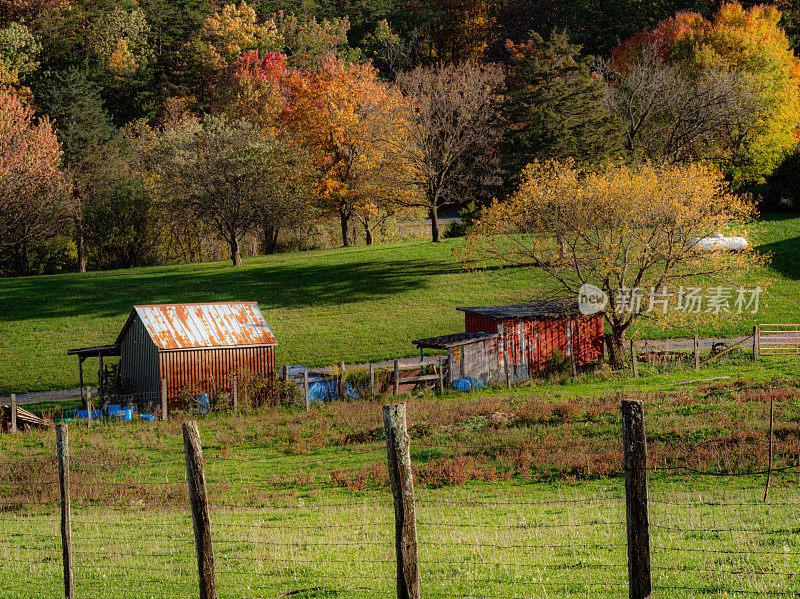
447 341
544 309
188 326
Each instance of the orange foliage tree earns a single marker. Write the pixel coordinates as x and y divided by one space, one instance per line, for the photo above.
349 121
35 202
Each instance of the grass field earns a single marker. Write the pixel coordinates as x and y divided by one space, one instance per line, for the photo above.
518 495
354 304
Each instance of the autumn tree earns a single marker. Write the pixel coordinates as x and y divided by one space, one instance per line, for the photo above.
224 172
34 191
726 88
451 133
349 122
627 230
553 107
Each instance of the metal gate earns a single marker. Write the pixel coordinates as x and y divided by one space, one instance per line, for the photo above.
778 339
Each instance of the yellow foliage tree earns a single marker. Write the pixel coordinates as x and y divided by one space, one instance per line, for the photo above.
236 30
629 231
741 101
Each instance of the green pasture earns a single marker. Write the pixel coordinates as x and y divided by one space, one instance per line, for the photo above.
716 539
300 506
354 304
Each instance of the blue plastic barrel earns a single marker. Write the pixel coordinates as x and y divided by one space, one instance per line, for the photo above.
113 410
462 384
148 417
126 414
203 405
476 383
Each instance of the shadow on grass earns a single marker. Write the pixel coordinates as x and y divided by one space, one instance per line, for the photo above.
273 286
785 256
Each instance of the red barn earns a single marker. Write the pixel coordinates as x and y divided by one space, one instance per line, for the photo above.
528 334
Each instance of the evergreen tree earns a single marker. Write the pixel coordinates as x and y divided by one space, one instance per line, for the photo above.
553 107
83 128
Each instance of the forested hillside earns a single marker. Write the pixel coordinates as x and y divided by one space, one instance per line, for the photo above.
150 132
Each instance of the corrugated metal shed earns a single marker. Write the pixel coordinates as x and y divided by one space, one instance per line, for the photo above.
194 348
192 326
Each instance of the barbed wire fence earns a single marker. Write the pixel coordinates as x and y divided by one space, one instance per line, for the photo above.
133 535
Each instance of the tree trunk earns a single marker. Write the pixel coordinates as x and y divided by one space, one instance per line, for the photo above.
434 223
368 234
616 351
81 249
270 239
344 219
236 255
23 258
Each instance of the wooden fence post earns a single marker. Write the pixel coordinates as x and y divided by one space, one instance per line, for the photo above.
196 477
342 387
13 412
756 341
62 448
771 430
440 381
163 399
696 352
634 443
634 360
235 394
397 377
405 524
305 390
372 381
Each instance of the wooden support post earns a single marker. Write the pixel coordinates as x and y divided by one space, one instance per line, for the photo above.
440 381
398 450
235 394
62 448
13 412
164 414
573 364
89 407
696 352
634 360
397 377
756 341
305 390
505 364
634 443
285 374
196 477
342 387
371 381
771 429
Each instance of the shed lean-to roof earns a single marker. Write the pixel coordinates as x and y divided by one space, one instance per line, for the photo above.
544 309
456 339
190 326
